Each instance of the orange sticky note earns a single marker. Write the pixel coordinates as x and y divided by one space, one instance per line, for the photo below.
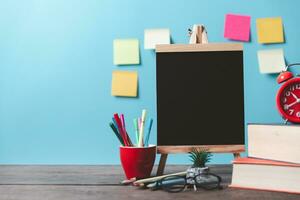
270 30
124 83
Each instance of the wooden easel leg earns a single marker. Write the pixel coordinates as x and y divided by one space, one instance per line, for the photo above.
236 155
162 164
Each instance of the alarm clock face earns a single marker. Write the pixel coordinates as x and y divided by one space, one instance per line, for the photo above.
288 100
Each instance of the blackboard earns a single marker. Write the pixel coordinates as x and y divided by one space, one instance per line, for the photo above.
200 94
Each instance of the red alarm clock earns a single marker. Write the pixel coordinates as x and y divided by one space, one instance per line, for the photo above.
288 96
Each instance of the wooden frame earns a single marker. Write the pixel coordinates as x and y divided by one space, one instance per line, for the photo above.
166 48
165 150
235 149
211 148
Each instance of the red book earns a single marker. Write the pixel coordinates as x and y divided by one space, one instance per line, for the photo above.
260 174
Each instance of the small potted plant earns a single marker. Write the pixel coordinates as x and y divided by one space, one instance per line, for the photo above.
199 158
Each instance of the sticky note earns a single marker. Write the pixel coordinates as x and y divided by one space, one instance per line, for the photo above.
237 27
269 30
152 37
124 83
271 61
126 51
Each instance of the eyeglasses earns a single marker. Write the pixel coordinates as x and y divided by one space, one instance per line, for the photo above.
207 181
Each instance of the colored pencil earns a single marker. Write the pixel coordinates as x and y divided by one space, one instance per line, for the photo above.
116 132
148 133
141 137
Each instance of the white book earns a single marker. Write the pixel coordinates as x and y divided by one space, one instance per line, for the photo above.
274 142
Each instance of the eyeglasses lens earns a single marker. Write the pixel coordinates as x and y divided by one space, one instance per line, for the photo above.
173 183
207 181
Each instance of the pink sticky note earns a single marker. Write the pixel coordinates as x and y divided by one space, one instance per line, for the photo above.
237 27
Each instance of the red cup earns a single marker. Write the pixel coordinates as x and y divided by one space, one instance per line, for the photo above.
137 162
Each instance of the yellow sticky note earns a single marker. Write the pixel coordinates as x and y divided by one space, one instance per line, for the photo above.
269 30
126 51
124 83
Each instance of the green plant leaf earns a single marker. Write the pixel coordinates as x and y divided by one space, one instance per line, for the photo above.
199 157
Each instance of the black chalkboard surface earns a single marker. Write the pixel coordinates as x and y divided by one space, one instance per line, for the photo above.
200 95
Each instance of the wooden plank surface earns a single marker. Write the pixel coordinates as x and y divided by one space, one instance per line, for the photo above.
102 182
53 192
80 175
26 174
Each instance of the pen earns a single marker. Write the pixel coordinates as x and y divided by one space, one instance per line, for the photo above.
123 122
148 134
116 132
139 122
136 128
114 121
129 140
119 125
141 137
124 129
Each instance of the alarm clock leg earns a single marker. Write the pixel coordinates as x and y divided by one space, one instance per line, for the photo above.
236 155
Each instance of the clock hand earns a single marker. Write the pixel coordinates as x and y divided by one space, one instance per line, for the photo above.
295 96
290 105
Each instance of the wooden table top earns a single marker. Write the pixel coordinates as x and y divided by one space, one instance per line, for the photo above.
44 182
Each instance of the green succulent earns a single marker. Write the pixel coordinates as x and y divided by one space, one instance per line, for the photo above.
199 157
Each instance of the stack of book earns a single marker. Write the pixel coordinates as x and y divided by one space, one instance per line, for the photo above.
274 159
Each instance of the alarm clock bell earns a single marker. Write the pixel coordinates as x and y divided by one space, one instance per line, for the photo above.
284 76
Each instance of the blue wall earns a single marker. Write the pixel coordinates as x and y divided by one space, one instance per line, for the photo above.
56 64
